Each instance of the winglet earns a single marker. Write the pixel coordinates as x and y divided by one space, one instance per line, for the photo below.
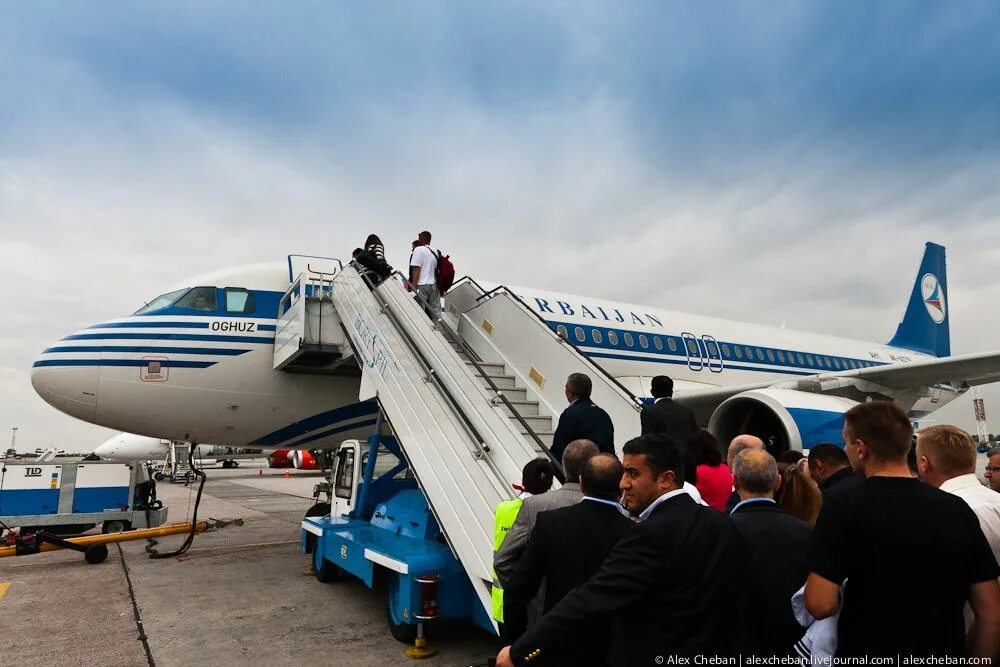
925 324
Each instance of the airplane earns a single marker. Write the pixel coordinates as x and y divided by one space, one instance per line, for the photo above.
195 365
129 447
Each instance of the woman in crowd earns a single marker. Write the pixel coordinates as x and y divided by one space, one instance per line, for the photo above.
713 479
799 495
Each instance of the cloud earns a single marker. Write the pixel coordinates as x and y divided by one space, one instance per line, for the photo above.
774 164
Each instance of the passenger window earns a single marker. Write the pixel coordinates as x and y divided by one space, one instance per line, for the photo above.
581 336
781 356
199 298
749 353
628 339
161 301
770 356
561 330
802 361
739 351
657 342
836 362
643 342
239 300
672 344
692 347
345 473
760 354
596 335
612 337
809 360
725 351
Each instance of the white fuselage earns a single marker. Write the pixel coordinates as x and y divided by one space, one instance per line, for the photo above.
184 374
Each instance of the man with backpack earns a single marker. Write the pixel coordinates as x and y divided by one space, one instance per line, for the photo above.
432 275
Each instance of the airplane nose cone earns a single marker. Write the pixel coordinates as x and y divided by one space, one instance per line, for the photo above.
67 386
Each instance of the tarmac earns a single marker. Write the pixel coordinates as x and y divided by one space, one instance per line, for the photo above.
239 596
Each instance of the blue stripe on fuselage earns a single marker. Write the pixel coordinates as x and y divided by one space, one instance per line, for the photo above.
222 351
166 325
168 363
321 420
166 336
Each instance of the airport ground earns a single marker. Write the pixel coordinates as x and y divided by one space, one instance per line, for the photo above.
240 596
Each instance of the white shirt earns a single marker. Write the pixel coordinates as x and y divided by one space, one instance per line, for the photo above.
693 491
425 257
649 510
984 501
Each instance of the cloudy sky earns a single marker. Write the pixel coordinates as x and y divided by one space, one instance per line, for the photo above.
776 162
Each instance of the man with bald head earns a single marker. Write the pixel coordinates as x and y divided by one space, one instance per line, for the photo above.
777 546
737 445
567 546
576 454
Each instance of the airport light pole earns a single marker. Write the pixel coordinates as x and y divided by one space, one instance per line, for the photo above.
13 437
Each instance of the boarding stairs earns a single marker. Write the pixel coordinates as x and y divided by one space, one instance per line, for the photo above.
470 399
179 461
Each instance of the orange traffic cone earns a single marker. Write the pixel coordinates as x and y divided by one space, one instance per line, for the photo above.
286 475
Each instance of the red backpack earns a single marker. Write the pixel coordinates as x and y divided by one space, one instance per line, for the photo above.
445 273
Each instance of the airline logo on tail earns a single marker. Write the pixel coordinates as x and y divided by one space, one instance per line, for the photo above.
933 297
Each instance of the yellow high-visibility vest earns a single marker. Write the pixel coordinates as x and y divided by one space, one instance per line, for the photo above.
505 515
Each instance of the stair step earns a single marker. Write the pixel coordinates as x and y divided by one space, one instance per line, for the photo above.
513 395
490 369
524 408
544 436
501 381
538 424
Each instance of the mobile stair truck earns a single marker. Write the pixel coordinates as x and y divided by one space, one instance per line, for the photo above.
463 404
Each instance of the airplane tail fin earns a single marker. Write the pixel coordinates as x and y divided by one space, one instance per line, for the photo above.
925 324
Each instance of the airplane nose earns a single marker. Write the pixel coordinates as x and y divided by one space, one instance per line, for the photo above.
67 382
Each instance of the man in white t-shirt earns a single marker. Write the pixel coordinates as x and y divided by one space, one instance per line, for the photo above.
946 458
423 267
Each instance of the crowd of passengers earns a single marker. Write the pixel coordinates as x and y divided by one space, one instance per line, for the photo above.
884 547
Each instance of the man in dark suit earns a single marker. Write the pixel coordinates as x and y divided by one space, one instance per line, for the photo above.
582 420
671 582
670 418
778 548
566 548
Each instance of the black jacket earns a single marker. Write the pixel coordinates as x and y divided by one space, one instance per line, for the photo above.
845 477
584 419
567 546
778 548
672 583
673 419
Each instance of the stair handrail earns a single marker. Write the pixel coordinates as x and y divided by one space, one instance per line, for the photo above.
449 333
637 403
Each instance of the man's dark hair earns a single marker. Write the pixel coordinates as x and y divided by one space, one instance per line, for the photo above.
661 452
705 449
357 251
536 476
829 454
576 454
661 387
883 426
424 237
602 473
790 456
579 385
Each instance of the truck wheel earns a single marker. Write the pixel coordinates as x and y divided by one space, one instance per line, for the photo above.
326 571
399 629
158 476
114 526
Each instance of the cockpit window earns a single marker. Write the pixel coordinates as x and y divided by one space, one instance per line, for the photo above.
199 298
161 301
239 300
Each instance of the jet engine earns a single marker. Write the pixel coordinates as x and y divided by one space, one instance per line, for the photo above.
303 459
279 458
783 418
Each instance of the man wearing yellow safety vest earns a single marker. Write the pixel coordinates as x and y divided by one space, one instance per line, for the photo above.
536 478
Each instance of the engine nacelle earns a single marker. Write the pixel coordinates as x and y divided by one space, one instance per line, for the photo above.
787 418
279 458
303 459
